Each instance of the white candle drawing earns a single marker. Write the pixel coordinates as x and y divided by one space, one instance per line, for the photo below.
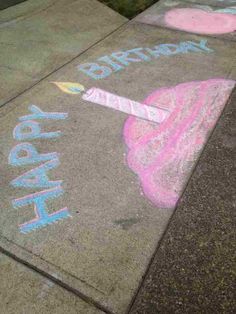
104 98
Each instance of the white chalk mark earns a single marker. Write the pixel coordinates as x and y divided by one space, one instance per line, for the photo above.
103 98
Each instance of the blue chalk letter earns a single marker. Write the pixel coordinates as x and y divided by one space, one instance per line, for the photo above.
20 132
123 57
38 178
94 70
163 49
115 66
201 45
26 153
38 114
39 201
139 53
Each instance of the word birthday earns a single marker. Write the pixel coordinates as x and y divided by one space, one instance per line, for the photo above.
26 154
117 61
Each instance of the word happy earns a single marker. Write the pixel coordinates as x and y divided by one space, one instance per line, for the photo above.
117 61
24 154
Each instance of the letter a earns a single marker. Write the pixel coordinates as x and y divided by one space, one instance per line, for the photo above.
25 154
37 178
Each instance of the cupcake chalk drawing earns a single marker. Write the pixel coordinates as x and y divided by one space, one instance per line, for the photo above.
166 132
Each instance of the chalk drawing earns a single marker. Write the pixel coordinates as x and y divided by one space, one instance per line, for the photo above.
229 10
163 155
37 177
70 88
38 114
25 154
207 8
201 21
162 151
38 200
31 130
106 99
117 61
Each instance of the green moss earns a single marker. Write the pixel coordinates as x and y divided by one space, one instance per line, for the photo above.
128 8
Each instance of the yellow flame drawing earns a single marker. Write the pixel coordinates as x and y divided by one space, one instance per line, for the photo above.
70 88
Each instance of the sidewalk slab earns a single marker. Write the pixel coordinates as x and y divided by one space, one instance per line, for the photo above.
193 269
37 37
104 248
193 18
25 291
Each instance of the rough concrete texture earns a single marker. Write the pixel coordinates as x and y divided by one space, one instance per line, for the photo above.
217 3
37 37
192 18
25 291
193 269
104 248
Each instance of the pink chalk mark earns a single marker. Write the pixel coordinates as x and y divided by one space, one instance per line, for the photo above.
104 98
164 155
201 22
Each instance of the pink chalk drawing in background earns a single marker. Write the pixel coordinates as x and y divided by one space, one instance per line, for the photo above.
202 21
163 150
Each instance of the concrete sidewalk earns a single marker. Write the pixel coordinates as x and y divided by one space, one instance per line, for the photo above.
192 271
26 291
205 19
38 37
96 156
